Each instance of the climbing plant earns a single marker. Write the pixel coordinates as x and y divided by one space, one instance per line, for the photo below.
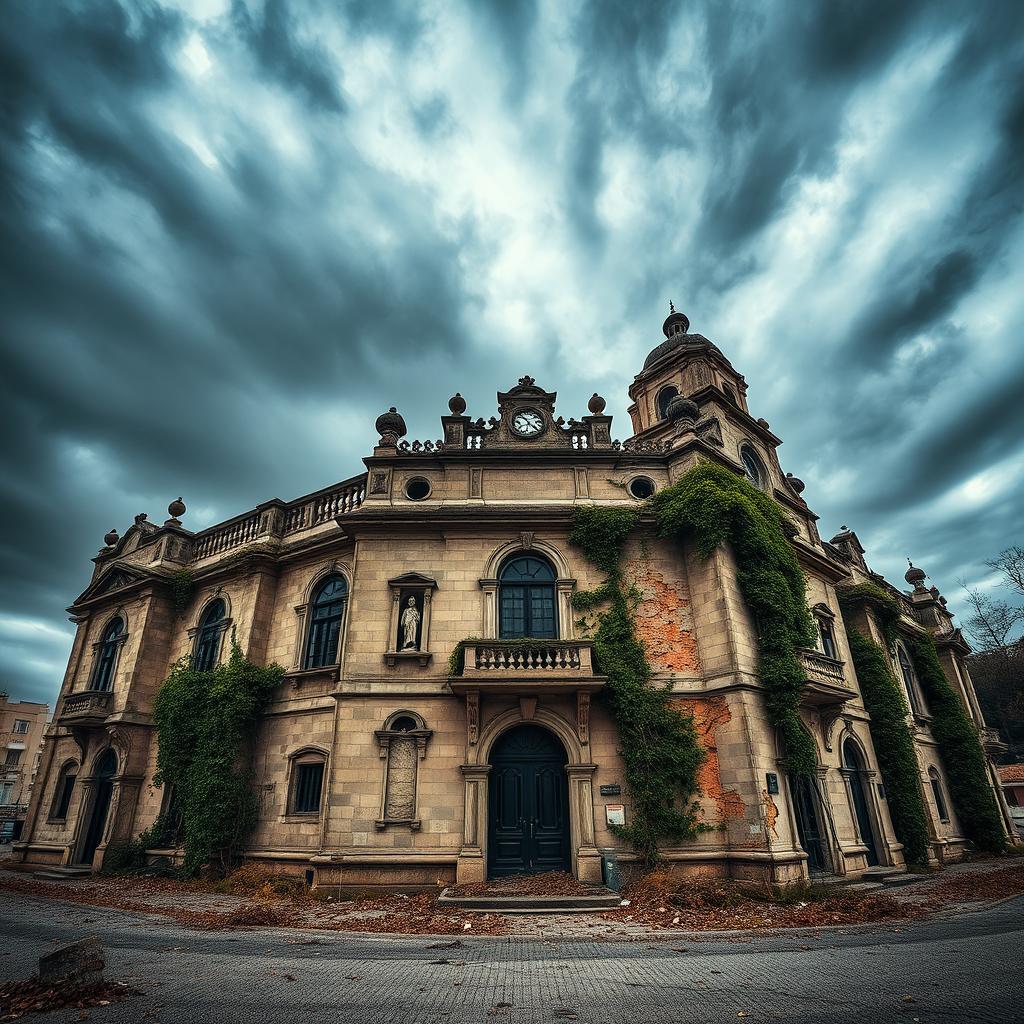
659 746
205 723
183 583
893 743
962 754
886 607
714 506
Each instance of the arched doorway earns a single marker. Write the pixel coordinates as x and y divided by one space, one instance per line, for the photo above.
810 824
854 763
528 804
103 785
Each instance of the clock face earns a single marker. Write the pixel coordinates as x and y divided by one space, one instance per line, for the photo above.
527 423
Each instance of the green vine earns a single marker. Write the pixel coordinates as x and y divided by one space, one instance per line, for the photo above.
962 754
887 609
659 746
205 723
183 583
893 743
713 505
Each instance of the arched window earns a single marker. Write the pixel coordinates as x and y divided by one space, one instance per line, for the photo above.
307 778
940 800
828 638
665 395
63 792
752 467
326 612
106 656
526 599
211 629
909 679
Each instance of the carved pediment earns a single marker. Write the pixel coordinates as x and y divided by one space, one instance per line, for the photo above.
116 577
412 579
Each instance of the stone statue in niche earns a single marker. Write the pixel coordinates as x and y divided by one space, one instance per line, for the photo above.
410 626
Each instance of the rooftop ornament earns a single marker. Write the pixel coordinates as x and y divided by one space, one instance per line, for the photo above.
915 576
391 427
596 404
176 510
457 404
111 538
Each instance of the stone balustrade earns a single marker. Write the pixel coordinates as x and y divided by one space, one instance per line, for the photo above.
219 539
86 704
819 666
325 506
517 657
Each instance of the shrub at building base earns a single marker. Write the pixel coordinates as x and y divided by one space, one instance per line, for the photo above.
659 745
894 745
205 723
962 754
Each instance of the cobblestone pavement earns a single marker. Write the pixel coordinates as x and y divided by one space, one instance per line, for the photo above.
961 969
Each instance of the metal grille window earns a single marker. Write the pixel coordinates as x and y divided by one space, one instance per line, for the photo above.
110 644
327 612
526 598
309 780
13 759
207 652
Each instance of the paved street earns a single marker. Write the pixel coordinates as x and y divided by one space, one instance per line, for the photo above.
967 969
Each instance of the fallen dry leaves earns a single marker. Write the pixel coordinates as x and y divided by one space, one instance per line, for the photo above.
18 998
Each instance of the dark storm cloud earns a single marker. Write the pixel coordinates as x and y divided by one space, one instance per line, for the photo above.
233 232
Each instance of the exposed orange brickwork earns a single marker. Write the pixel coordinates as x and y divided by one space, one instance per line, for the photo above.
661 619
708 714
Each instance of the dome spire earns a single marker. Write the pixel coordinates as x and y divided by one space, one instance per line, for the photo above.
675 322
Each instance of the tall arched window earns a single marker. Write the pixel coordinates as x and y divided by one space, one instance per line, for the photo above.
326 613
106 656
940 800
752 467
526 599
665 395
63 792
909 679
211 628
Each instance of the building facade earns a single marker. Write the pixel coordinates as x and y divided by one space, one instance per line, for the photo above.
441 717
21 734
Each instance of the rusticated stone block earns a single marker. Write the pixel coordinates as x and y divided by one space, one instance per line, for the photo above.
80 963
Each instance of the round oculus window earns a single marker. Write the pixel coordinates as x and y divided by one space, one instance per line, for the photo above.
416 488
527 423
641 487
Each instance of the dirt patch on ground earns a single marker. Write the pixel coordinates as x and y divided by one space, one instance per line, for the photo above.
18 998
551 883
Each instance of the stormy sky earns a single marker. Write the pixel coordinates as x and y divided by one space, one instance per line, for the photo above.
234 232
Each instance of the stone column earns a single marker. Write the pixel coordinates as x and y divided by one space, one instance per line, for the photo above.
490 589
564 588
472 863
586 855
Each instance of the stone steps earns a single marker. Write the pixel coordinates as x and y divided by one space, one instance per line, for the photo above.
895 881
863 886
600 899
62 874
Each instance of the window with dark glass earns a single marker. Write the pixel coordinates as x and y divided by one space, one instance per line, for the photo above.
65 789
309 780
940 800
110 644
752 466
828 639
526 599
909 680
326 612
20 726
13 759
665 395
211 629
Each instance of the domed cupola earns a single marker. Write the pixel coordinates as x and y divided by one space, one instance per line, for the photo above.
675 323
677 336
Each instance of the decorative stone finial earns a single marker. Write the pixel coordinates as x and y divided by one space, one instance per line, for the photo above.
680 409
391 427
596 404
457 404
176 510
111 538
914 576
795 482
763 422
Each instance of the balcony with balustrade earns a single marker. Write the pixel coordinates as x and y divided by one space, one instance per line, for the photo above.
525 666
87 707
826 684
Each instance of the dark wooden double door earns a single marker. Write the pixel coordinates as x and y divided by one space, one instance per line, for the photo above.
528 812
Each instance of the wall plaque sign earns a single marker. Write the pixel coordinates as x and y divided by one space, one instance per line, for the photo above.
615 814
611 790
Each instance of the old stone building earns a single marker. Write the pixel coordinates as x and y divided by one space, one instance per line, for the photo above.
380 762
21 734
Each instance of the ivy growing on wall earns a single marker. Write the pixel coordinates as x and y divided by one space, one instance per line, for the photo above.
893 743
962 754
205 723
886 607
659 746
713 506
183 584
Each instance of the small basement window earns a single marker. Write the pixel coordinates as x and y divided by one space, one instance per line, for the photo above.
417 488
641 487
